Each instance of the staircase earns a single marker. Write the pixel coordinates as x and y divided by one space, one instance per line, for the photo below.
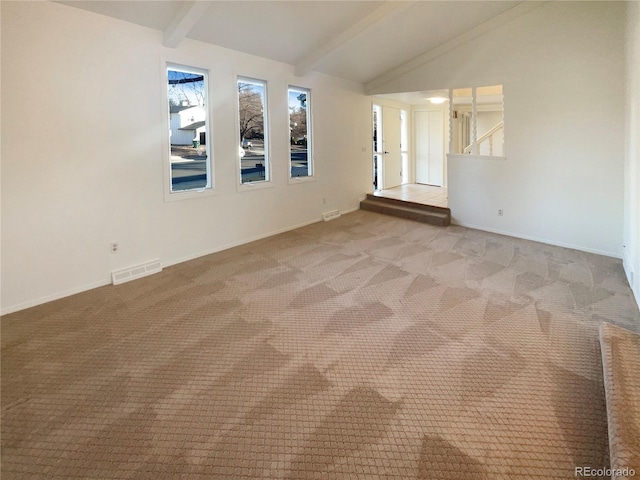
432 215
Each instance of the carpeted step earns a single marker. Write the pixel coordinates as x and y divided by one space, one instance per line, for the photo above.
621 367
410 210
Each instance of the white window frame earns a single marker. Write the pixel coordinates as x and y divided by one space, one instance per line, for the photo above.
209 188
267 182
311 176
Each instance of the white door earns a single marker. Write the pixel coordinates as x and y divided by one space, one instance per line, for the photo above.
429 147
392 160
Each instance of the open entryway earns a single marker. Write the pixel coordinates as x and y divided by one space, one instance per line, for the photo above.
417 193
409 169
388 151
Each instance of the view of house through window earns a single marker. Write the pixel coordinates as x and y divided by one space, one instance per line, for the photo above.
477 121
188 132
254 158
300 133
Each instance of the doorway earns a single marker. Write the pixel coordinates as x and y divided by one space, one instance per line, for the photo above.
429 147
376 115
387 153
391 158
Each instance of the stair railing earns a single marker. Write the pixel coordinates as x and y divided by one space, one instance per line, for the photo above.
488 135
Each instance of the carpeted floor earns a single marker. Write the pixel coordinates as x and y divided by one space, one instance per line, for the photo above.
366 347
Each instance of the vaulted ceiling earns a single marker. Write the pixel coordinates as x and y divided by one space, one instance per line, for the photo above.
356 40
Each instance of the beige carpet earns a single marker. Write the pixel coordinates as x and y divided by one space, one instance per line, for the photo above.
366 347
621 367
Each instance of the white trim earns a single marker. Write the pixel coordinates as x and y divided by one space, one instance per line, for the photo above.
537 239
354 209
311 168
107 281
308 178
55 296
268 167
169 195
628 269
251 186
250 239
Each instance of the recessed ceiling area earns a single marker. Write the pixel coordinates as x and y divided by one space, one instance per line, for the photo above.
415 98
355 40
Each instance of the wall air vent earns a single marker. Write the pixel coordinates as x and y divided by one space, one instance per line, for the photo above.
137 271
330 215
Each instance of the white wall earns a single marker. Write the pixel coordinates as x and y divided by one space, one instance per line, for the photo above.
83 144
562 68
632 157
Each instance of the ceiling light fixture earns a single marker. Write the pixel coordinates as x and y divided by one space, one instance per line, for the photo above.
437 100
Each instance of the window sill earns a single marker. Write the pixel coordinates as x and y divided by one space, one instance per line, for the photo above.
188 194
251 186
297 180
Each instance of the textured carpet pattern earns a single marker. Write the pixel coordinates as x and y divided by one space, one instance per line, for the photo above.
621 362
365 347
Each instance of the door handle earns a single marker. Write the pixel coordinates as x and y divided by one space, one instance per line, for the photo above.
386 153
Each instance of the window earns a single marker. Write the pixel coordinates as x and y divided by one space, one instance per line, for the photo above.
377 145
189 155
300 152
254 145
477 121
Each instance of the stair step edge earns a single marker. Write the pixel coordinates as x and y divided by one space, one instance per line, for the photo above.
395 201
419 211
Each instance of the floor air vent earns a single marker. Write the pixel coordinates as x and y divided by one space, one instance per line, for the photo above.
330 215
138 271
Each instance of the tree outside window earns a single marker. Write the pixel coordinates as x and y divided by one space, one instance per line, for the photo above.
299 133
254 166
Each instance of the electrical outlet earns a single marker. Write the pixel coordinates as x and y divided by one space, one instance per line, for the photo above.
500 213
115 247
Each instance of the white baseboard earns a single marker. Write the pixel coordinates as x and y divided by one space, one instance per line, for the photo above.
541 240
632 277
107 281
176 261
55 296
227 246
350 210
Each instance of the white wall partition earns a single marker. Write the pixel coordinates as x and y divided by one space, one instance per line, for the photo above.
631 250
562 70
83 139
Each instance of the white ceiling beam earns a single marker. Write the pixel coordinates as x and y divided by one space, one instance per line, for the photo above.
180 25
317 57
374 86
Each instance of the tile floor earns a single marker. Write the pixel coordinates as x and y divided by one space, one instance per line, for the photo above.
418 193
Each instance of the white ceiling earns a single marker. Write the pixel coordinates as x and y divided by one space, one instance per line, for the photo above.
415 98
374 37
